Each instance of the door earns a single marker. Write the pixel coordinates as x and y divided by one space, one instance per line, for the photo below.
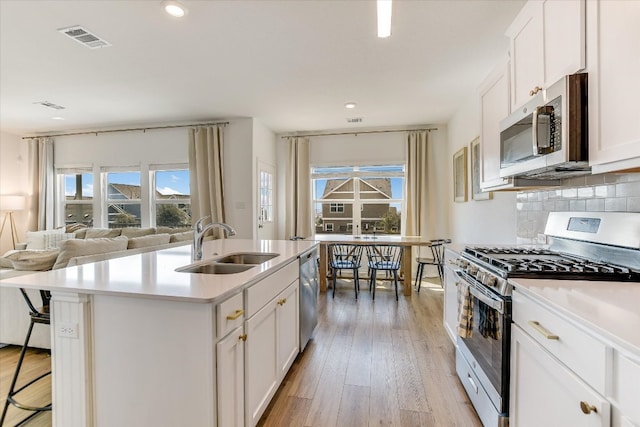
266 201
230 378
287 327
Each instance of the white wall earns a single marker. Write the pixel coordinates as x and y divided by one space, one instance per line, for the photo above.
476 222
238 173
13 181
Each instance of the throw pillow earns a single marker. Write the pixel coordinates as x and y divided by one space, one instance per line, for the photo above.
33 260
36 239
146 241
72 228
94 233
53 240
181 237
131 232
172 230
76 247
5 260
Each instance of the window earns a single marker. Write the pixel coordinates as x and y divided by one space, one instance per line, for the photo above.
337 207
77 188
266 197
123 199
370 199
171 198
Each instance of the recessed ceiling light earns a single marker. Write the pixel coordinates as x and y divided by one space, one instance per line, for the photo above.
350 105
57 118
384 18
174 8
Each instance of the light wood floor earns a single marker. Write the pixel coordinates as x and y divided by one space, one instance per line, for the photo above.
371 363
375 363
36 362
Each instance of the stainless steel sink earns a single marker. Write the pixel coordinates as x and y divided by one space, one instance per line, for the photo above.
215 268
252 258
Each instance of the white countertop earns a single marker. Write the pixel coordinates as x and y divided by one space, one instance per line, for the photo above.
610 309
153 275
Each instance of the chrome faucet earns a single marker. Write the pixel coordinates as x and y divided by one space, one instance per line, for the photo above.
200 230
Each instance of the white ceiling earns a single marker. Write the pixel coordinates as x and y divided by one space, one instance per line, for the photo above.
292 65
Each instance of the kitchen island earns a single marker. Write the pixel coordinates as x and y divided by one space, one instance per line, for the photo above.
135 342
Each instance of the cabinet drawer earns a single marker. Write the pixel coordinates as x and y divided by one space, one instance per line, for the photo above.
229 315
265 290
581 352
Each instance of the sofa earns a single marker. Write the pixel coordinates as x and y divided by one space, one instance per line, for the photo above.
75 245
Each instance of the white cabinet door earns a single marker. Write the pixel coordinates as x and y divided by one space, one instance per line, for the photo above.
526 41
288 332
494 106
546 393
564 38
547 41
261 370
450 308
230 378
614 67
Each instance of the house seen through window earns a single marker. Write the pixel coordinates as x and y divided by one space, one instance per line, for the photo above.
122 199
358 200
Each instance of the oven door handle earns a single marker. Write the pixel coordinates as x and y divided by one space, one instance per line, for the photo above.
494 303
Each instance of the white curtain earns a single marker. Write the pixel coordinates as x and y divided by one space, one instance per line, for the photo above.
298 189
206 174
41 184
421 183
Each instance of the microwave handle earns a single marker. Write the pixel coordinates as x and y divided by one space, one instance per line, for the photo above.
545 110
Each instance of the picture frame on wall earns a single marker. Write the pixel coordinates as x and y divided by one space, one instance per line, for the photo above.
476 191
460 175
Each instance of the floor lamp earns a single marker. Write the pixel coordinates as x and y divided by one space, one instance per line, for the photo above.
10 204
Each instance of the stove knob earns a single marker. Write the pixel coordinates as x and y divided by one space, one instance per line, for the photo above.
481 276
472 270
491 281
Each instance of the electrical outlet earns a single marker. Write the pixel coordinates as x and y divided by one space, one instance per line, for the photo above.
542 239
67 330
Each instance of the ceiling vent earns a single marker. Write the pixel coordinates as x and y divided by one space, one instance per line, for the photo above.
50 105
84 37
354 120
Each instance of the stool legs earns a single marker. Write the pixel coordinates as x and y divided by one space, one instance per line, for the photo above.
12 390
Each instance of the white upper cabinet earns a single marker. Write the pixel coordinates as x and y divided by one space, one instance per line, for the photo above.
494 106
614 88
547 41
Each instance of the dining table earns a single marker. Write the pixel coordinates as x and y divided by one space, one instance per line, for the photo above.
407 242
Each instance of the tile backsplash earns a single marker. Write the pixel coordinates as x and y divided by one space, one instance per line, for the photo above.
604 192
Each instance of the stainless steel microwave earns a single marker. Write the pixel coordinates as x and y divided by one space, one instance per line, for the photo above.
547 138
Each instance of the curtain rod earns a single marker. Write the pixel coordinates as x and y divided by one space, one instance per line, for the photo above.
144 129
356 133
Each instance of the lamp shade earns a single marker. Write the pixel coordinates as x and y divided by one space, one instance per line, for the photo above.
12 203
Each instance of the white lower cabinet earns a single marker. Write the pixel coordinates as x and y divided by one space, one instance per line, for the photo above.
230 378
271 346
544 392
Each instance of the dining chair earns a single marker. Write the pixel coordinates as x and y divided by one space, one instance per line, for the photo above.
436 259
386 258
43 317
345 257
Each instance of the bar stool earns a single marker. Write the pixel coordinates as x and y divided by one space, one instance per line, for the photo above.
437 259
37 316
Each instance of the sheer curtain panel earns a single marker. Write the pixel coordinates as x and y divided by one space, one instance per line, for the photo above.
206 174
421 181
298 189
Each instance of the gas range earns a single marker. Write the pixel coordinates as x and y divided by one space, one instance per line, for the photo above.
601 246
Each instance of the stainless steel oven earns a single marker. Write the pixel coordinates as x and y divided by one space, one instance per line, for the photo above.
485 349
601 246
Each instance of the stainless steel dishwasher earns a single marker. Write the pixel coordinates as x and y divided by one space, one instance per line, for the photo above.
309 292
